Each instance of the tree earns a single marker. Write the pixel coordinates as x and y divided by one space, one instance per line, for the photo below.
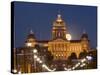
49 57
82 54
37 47
73 56
69 61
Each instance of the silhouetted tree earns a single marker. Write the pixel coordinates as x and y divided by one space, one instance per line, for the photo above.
73 56
49 56
69 61
83 54
37 47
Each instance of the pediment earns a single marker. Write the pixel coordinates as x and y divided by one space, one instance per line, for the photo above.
59 40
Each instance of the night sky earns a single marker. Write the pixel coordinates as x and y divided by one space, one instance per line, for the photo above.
39 17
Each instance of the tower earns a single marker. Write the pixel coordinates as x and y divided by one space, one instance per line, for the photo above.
31 40
85 41
59 28
58 45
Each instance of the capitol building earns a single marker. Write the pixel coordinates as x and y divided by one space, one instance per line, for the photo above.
60 46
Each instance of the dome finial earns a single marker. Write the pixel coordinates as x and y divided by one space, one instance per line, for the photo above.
59 12
84 35
31 32
84 31
59 15
59 19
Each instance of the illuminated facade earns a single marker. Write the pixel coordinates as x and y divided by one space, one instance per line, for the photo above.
61 46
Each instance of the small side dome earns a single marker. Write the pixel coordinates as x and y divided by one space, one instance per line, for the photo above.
31 35
31 40
84 36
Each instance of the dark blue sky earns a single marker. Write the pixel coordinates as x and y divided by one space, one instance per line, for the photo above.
39 17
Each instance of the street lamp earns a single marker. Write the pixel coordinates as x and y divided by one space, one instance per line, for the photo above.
15 71
89 57
34 50
38 59
83 60
82 65
35 57
19 72
29 44
43 65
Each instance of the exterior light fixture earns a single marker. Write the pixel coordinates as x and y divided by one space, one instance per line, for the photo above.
29 44
77 64
34 50
35 56
43 65
73 68
15 71
83 60
89 57
19 72
82 65
38 59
